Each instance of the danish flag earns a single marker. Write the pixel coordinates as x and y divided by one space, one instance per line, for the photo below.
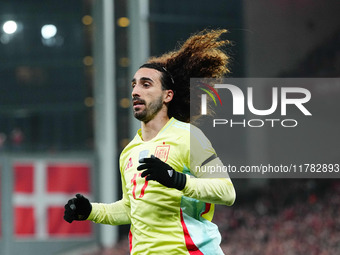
41 189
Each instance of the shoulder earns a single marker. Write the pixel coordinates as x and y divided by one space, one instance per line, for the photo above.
189 132
180 126
198 138
176 129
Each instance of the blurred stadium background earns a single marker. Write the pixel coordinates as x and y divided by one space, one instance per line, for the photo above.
65 115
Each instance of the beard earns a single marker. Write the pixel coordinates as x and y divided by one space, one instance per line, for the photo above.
150 110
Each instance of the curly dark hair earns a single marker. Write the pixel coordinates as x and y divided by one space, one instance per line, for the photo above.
199 57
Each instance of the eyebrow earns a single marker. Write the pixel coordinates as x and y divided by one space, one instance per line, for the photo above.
142 79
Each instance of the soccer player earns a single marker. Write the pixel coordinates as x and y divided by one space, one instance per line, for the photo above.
168 205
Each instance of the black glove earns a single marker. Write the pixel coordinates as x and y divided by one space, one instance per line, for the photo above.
163 173
78 208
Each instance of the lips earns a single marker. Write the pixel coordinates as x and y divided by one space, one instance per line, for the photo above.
137 102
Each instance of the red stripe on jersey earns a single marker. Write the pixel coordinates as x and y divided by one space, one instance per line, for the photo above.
207 208
130 240
192 248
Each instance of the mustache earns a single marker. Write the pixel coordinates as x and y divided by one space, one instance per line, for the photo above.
138 99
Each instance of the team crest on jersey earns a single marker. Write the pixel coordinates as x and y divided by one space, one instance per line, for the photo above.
129 164
162 152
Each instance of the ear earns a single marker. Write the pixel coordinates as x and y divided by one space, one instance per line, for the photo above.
168 95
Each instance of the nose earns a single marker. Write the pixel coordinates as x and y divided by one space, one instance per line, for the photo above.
135 92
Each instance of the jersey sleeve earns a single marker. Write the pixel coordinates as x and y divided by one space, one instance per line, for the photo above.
199 184
200 150
211 190
117 213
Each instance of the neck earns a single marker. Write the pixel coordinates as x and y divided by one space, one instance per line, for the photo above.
151 128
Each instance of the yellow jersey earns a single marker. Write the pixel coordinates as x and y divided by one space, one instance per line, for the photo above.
165 220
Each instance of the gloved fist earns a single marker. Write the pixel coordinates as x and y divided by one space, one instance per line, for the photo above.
78 208
163 173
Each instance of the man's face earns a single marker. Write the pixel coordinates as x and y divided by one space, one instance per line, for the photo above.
147 94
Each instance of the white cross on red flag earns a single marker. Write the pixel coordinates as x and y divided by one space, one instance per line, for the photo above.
41 189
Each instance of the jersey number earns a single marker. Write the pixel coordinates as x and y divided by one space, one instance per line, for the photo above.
134 182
